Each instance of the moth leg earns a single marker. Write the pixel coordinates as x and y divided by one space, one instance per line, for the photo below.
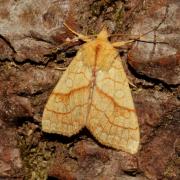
132 84
61 68
80 36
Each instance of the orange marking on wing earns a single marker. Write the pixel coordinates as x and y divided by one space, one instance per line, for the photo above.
73 91
68 112
97 50
114 102
111 121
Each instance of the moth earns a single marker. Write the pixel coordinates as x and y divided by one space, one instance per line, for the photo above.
94 93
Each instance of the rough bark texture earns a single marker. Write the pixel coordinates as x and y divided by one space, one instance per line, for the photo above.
31 50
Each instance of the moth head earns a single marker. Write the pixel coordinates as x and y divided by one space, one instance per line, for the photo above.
103 35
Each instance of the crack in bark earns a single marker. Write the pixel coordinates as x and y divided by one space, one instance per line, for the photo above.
164 86
7 42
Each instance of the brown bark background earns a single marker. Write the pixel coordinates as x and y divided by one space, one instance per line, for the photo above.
32 47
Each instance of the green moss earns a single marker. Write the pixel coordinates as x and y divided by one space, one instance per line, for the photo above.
36 154
119 15
97 8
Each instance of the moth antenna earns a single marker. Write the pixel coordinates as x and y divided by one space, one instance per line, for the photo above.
138 38
122 43
80 36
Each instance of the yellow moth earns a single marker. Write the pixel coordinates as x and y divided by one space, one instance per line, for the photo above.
94 93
